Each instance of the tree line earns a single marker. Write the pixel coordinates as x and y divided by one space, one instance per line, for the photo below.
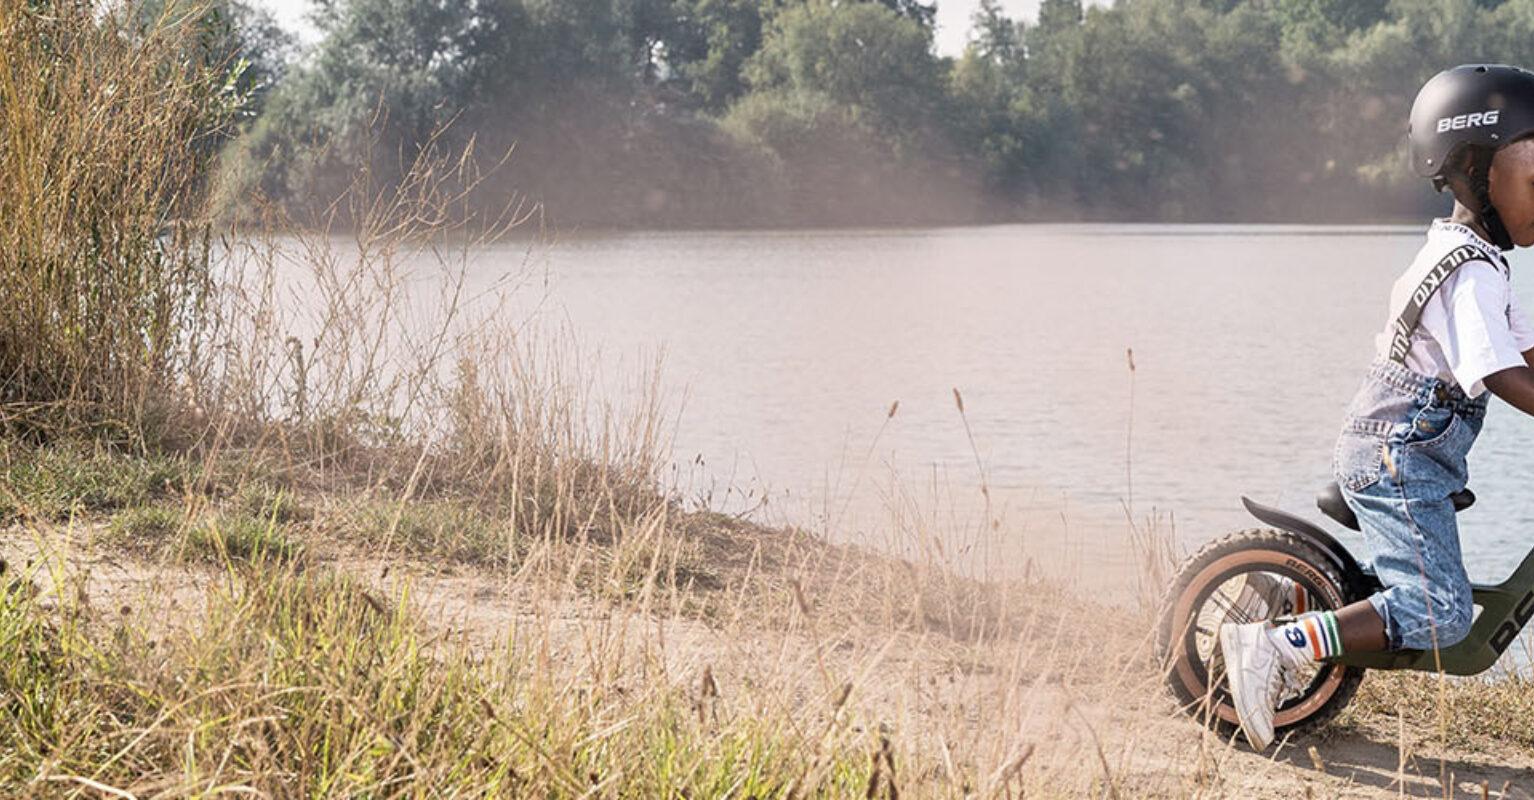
793 112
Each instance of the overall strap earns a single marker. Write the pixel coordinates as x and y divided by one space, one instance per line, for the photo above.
1406 323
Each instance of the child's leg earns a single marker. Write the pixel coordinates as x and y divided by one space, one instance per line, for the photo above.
1414 543
1362 629
1411 532
1354 628
1401 454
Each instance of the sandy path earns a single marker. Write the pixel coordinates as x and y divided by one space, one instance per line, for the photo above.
1078 729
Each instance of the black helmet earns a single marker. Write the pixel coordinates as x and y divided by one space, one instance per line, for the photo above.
1460 118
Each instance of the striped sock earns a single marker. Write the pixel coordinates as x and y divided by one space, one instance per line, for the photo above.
1310 637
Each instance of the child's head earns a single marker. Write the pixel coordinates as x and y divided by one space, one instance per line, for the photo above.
1468 129
1511 189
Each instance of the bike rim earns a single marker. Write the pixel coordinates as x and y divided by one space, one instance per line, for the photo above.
1195 656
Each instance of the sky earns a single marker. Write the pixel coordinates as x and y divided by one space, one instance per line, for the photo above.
952 18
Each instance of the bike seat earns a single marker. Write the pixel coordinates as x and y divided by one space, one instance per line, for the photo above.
1331 504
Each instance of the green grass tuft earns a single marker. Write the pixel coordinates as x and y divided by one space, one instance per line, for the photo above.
266 501
52 483
239 537
146 527
233 536
453 530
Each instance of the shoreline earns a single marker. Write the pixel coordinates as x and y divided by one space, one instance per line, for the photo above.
719 607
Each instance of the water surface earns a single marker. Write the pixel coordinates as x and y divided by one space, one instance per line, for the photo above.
1247 341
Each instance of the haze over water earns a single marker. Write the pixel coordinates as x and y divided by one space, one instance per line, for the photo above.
1248 342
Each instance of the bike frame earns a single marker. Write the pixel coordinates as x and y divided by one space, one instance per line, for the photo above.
1504 608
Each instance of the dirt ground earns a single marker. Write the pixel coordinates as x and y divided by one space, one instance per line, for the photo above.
1073 727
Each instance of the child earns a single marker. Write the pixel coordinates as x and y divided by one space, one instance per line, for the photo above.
1454 332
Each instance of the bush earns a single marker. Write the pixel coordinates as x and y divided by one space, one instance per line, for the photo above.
107 133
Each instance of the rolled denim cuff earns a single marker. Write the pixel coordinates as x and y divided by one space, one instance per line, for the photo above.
1392 636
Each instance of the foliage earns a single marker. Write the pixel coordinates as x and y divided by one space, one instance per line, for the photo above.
862 58
664 112
242 40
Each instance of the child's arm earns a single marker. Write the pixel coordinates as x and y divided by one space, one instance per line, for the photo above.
1515 385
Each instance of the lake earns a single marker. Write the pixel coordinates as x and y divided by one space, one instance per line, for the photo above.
791 347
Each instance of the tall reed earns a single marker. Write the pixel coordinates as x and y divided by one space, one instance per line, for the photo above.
107 129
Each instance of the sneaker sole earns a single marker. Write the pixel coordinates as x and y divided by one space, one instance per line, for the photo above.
1227 634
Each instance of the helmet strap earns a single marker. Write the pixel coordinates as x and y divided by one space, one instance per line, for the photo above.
1479 173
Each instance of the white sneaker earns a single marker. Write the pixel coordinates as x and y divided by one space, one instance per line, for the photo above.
1265 596
1255 671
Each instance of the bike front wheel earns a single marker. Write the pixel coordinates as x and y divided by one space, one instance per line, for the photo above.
1245 577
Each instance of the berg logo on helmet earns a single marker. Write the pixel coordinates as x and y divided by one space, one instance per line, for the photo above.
1464 121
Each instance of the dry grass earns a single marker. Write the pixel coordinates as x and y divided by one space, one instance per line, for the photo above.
307 362
1477 713
318 679
106 131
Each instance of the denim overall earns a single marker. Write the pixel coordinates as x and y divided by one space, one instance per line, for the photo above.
1400 455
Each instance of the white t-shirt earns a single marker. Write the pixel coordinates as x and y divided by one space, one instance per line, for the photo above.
1472 326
